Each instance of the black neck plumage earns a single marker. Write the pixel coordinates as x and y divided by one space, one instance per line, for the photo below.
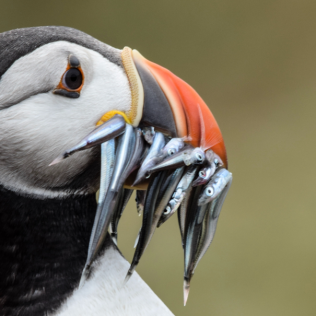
43 249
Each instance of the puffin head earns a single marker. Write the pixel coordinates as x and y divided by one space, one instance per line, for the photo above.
57 84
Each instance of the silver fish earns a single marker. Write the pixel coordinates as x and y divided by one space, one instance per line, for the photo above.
125 144
125 151
211 157
197 156
174 161
151 158
195 247
149 134
182 211
215 186
137 149
149 208
205 175
107 166
122 202
137 238
108 130
172 147
191 237
164 196
180 190
210 223
165 211
140 201
213 162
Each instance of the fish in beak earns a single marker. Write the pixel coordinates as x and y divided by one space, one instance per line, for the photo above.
168 135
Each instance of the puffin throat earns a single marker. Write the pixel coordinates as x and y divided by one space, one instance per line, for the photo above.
43 248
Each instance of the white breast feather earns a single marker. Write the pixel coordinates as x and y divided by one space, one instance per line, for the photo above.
104 293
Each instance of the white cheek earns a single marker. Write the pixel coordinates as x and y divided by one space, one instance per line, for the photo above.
106 87
34 73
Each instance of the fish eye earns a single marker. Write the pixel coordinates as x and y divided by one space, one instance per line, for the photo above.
72 79
167 210
216 161
198 157
171 151
209 191
202 173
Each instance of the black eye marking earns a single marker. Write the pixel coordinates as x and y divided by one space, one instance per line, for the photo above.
72 80
74 61
68 94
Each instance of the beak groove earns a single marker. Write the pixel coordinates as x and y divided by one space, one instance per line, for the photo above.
137 90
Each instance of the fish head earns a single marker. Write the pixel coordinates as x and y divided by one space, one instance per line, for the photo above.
172 147
196 156
211 157
207 195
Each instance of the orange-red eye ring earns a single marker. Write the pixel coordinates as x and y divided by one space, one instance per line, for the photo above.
61 84
62 89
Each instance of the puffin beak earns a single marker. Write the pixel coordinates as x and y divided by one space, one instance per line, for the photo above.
170 105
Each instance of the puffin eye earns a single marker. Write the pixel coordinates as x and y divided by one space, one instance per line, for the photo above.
72 79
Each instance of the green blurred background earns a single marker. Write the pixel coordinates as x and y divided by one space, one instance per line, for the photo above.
254 64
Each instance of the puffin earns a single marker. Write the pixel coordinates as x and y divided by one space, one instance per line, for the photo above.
58 85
